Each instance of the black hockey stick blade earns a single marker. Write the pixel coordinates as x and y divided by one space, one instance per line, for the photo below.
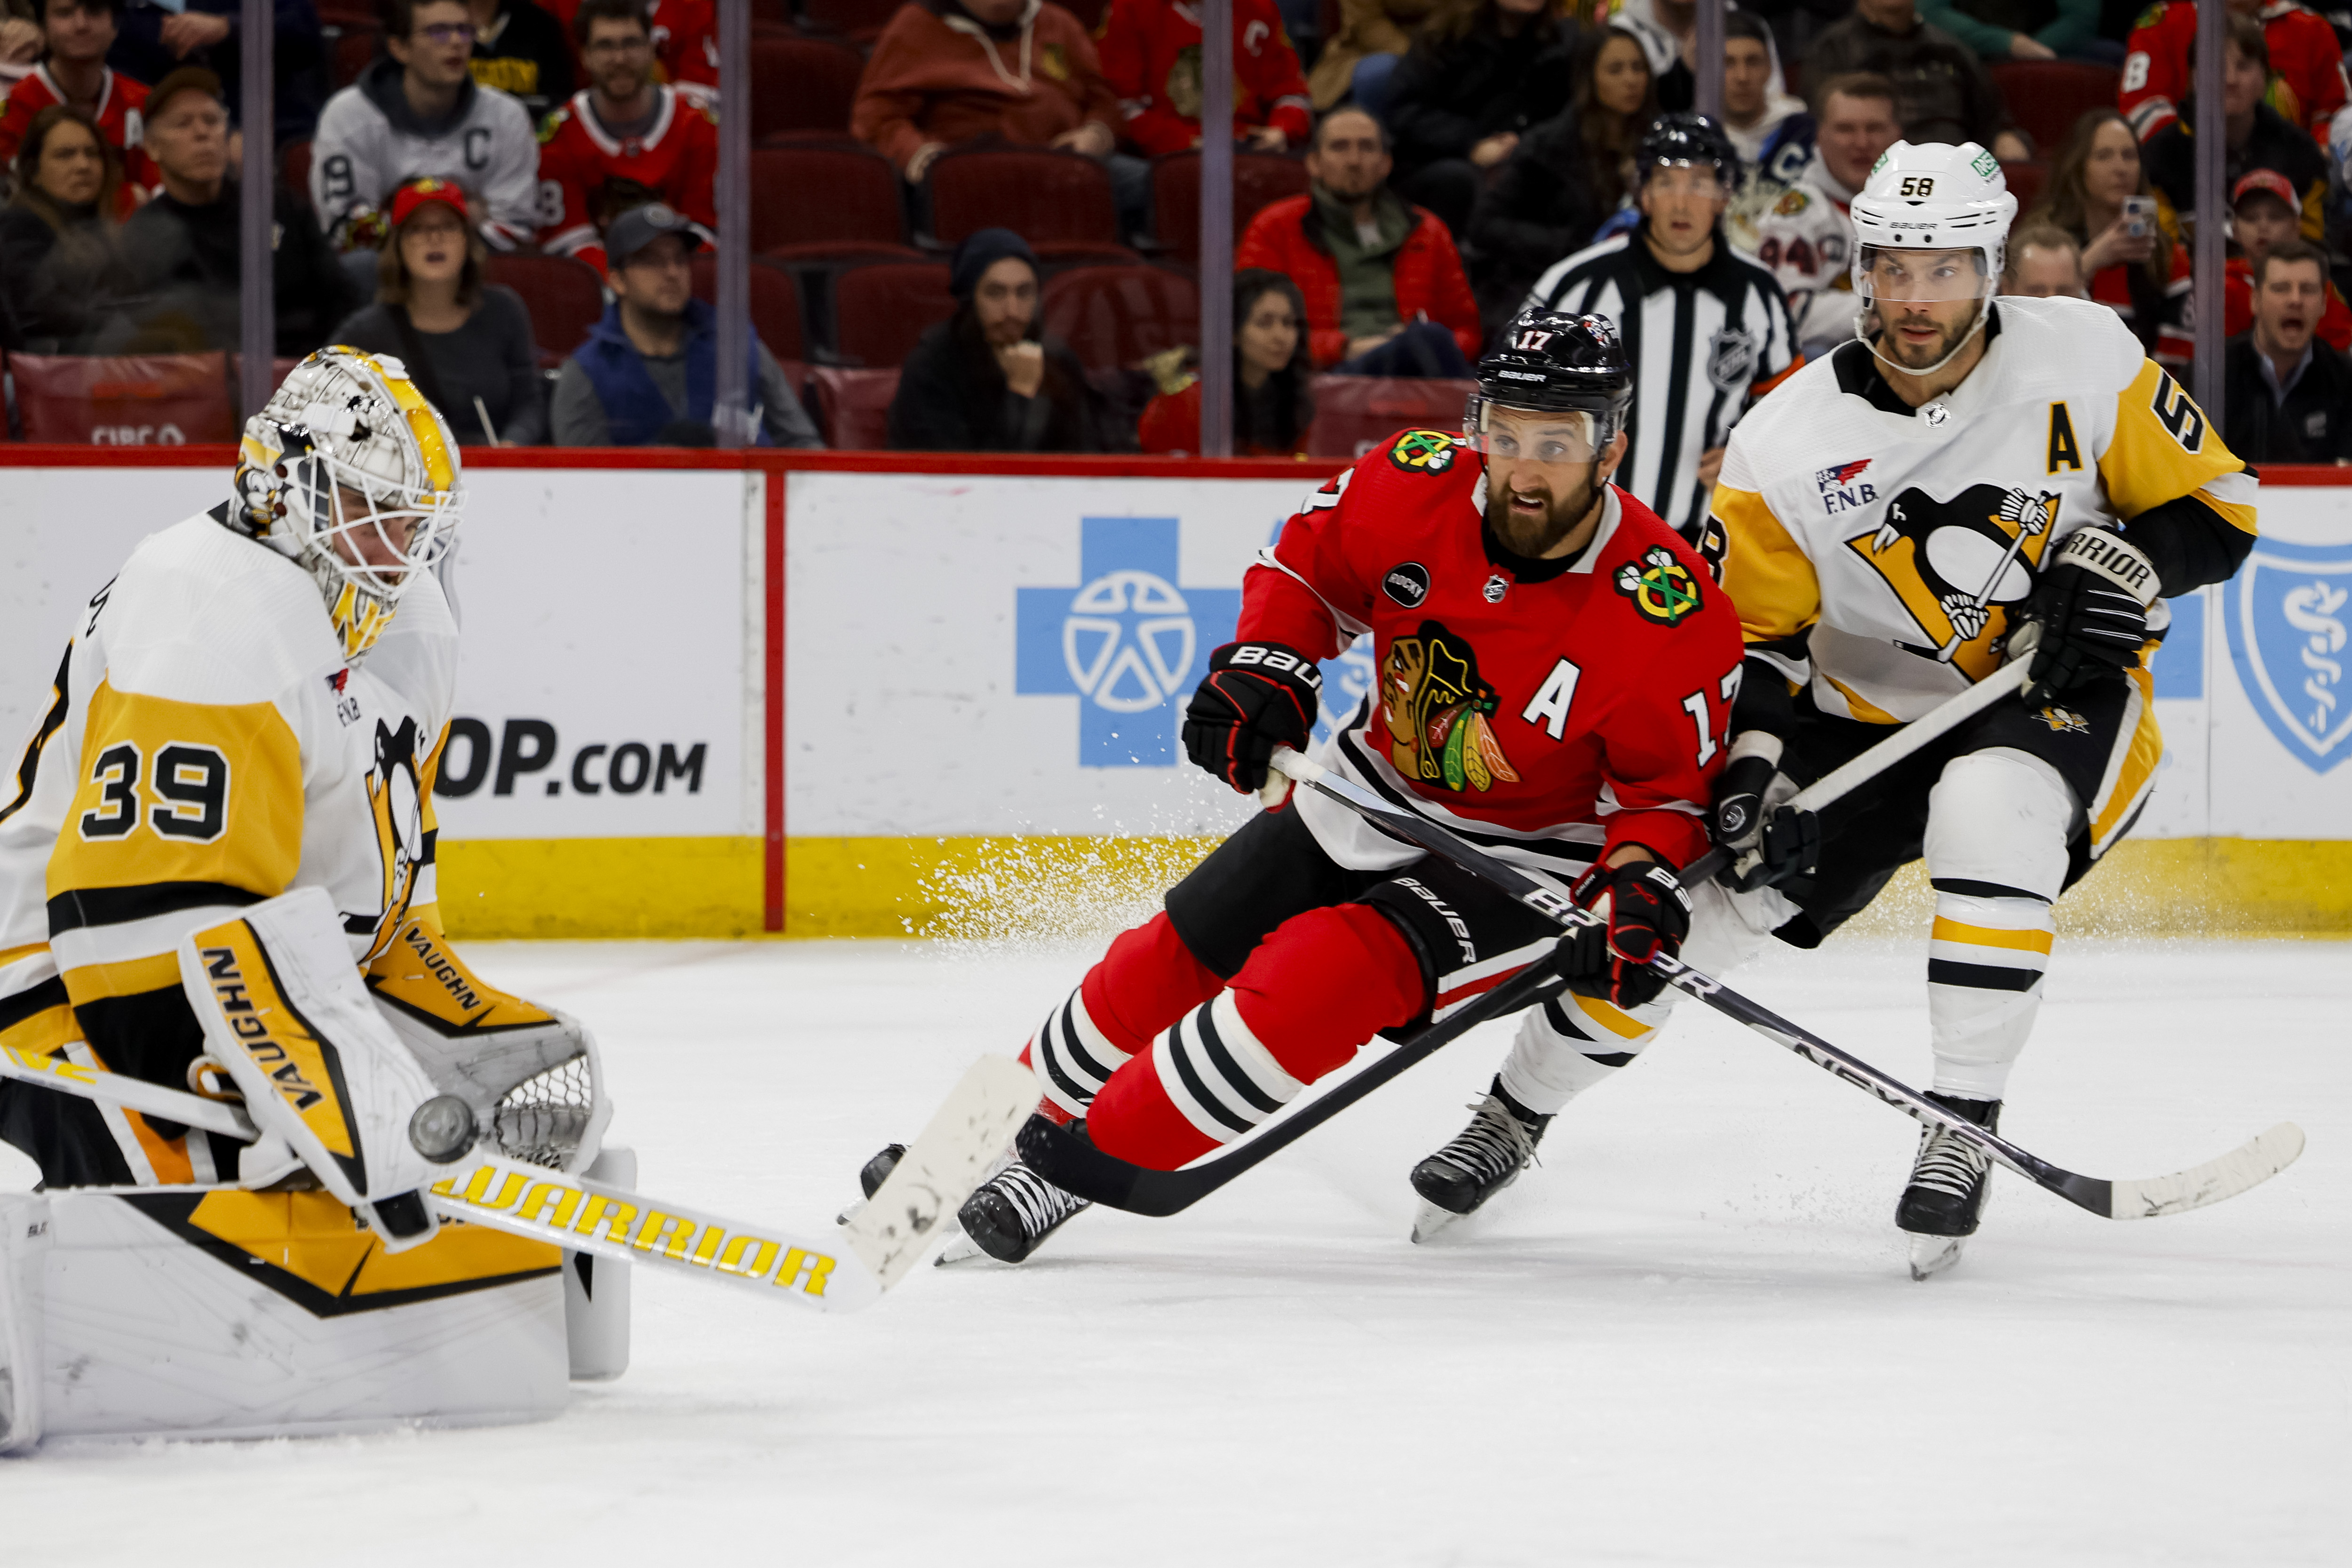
1075 1166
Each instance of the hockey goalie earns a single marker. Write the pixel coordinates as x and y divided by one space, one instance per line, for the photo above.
216 874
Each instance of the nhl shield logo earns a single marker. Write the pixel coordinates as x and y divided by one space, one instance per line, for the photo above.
2289 613
1731 358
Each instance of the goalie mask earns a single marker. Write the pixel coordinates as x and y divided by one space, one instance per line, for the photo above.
349 472
1552 362
1920 201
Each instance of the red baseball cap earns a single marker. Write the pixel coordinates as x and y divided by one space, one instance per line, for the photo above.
420 193
2268 181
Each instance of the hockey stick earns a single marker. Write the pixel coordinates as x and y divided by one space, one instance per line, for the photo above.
840 1271
1054 1153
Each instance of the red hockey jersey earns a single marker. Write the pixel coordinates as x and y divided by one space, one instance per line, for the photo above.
1151 52
119 106
677 160
2307 84
1548 710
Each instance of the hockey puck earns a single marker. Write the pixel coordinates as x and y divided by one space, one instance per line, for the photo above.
443 1129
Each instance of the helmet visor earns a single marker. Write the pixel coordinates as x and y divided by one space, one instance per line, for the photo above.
1921 277
1537 435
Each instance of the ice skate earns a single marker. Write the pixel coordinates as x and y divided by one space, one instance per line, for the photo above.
1012 1212
1949 1180
1483 1159
870 1177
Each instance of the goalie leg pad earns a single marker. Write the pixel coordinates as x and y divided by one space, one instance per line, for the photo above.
24 1254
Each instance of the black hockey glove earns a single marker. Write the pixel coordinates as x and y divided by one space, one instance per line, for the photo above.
1255 696
1786 841
2091 602
1648 913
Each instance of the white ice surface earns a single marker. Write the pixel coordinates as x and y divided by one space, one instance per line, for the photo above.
1689 1338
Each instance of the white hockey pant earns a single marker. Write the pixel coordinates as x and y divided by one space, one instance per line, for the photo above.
1997 826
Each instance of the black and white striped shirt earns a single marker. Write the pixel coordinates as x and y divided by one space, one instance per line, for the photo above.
1704 346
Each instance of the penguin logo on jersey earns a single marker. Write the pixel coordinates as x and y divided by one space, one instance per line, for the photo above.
1423 452
397 805
1437 711
1661 587
1960 567
2064 721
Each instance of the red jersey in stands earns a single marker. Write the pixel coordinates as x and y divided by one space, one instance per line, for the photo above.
1547 710
119 102
1151 53
677 160
2175 344
2335 327
2307 84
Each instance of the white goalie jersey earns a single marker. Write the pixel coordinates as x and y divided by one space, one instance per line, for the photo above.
1898 543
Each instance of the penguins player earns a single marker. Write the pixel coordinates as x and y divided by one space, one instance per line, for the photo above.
1555 677
1886 520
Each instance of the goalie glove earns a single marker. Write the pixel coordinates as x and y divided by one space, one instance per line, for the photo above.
1648 912
1751 817
1255 696
2091 603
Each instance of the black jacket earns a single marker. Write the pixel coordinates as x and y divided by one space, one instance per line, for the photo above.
184 263
56 289
2314 423
1942 91
531 59
1539 208
953 398
2275 143
1446 99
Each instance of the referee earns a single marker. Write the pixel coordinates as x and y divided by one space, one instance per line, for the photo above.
1708 331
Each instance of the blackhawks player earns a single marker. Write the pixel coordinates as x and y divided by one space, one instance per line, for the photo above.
1889 515
1555 674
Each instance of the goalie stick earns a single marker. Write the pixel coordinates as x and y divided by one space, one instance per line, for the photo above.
1077 1166
841 1271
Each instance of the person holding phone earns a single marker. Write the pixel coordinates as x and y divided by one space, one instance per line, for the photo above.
2098 192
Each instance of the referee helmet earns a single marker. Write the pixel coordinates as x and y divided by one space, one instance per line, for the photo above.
1687 142
1550 362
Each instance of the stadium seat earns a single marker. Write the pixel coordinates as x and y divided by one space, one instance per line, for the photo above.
563 294
2046 97
852 406
1114 316
881 310
353 49
1059 202
775 303
294 170
1353 413
152 400
825 203
1259 179
1090 12
2025 183
859 21
802 85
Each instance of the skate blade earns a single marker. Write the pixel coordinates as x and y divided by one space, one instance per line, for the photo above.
1429 1221
960 1249
1931 1255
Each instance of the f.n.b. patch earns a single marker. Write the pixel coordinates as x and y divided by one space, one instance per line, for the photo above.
1423 451
1842 487
1661 587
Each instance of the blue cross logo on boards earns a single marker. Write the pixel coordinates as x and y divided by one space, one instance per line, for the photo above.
2289 616
1127 642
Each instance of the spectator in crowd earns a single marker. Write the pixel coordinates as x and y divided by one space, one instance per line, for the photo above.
1941 91
60 270
1358 60
987 379
686 42
467 344
648 374
1798 227
76 34
2256 136
2263 215
20 42
1567 177
1667 31
1274 398
2132 265
159 36
946 71
2289 395
1754 105
183 251
1383 284
2300 45
1482 74
420 112
624 127
1722 336
2044 263
2026 29
1151 53
520 50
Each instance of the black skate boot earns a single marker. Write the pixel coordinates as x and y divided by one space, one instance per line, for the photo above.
1012 1212
877 1170
1483 1159
1949 1180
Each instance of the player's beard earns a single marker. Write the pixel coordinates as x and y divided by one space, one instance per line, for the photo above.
1948 339
1524 536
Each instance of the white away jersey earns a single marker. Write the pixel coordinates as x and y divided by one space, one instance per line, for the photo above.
205 747
1876 527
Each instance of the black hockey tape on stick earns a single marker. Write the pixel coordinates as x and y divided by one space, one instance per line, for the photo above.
1068 1161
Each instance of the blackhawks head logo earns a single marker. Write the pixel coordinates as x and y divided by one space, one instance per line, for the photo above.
1423 452
1659 585
1437 709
